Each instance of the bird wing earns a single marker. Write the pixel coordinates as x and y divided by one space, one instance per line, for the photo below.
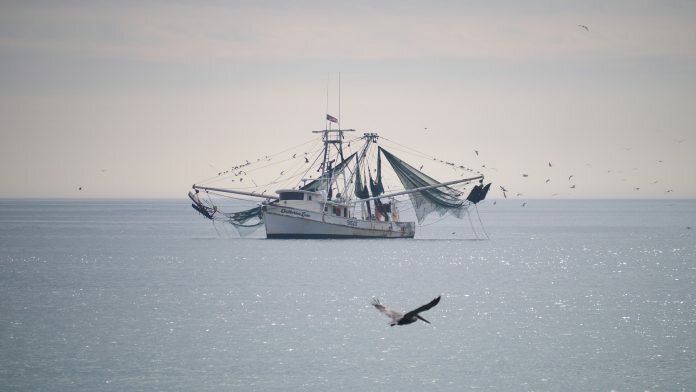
393 314
423 308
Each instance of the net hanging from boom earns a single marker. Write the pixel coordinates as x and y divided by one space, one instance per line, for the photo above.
442 200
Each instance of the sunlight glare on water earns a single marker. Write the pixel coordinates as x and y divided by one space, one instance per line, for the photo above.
143 295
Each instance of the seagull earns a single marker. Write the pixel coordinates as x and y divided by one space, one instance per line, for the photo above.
547 180
584 27
398 318
569 177
79 189
306 160
525 175
421 168
476 151
550 164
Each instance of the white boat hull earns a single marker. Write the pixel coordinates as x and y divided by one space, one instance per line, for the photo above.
285 222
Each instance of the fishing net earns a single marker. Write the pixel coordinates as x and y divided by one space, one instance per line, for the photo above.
442 200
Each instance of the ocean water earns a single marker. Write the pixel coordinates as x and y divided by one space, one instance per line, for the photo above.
144 295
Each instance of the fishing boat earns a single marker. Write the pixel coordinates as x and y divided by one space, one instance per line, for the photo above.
338 190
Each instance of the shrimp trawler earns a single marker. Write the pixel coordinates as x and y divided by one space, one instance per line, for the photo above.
336 189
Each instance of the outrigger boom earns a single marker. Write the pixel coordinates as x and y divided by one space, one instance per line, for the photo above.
254 194
423 188
406 192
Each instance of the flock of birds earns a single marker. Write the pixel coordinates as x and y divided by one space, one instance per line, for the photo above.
570 179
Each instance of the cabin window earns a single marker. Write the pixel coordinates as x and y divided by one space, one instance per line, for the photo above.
309 197
337 211
345 212
292 196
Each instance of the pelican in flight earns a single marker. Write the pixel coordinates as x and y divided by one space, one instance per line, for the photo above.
398 318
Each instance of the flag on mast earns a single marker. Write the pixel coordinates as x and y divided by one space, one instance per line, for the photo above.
331 118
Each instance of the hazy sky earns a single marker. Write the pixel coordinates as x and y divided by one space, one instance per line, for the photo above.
144 98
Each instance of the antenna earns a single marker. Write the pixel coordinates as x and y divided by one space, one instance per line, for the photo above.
327 123
339 101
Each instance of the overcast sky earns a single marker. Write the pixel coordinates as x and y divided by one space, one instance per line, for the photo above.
144 98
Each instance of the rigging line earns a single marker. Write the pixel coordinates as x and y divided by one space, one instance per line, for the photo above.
314 139
409 153
227 196
455 168
269 165
224 228
214 211
246 172
468 215
216 230
408 148
481 222
432 223
296 171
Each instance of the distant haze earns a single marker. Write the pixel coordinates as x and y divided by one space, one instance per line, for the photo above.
142 99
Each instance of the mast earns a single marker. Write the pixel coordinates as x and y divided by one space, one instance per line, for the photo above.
332 137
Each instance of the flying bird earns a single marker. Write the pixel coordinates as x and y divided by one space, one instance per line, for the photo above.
547 180
584 27
476 151
550 164
398 318
525 175
570 176
306 160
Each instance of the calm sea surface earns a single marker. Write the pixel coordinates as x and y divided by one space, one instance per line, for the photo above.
143 295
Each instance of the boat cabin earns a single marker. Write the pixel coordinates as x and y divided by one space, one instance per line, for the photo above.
311 201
